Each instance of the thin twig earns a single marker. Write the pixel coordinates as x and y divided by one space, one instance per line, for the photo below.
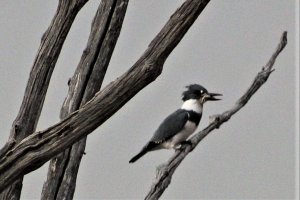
165 171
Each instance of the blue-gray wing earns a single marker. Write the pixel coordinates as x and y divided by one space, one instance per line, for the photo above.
170 126
167 129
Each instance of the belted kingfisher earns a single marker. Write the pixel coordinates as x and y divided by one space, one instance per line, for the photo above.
178 126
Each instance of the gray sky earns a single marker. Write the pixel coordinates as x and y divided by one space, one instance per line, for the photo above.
250 157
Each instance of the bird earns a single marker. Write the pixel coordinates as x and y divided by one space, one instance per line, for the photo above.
178 126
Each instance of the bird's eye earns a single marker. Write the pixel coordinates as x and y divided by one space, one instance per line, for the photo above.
201 91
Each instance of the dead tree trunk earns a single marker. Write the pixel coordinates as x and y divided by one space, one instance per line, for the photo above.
36 149
87 80
37 85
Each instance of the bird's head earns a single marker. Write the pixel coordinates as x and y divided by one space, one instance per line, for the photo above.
197 92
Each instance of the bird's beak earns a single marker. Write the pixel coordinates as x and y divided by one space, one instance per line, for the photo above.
212 97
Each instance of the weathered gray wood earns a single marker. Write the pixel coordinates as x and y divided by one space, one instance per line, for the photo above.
165 171
87 80
37 85
39 147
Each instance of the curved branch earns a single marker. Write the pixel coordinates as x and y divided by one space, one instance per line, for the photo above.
165 171
39 147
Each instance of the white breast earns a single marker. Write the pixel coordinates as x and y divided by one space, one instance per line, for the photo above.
188 130
192 104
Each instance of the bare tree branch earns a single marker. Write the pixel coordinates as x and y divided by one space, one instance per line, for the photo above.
87 80
39 147
37 85
165 171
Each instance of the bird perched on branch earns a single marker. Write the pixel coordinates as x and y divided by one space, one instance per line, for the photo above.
178 126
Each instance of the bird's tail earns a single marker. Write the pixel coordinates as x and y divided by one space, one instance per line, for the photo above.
135 158
146 148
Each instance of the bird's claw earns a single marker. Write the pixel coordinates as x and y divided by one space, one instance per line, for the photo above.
184 144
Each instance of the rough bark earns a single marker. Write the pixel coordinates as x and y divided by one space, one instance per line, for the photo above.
87 80
37 85
36 149
165 171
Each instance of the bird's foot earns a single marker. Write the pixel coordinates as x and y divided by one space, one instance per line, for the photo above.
184 144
